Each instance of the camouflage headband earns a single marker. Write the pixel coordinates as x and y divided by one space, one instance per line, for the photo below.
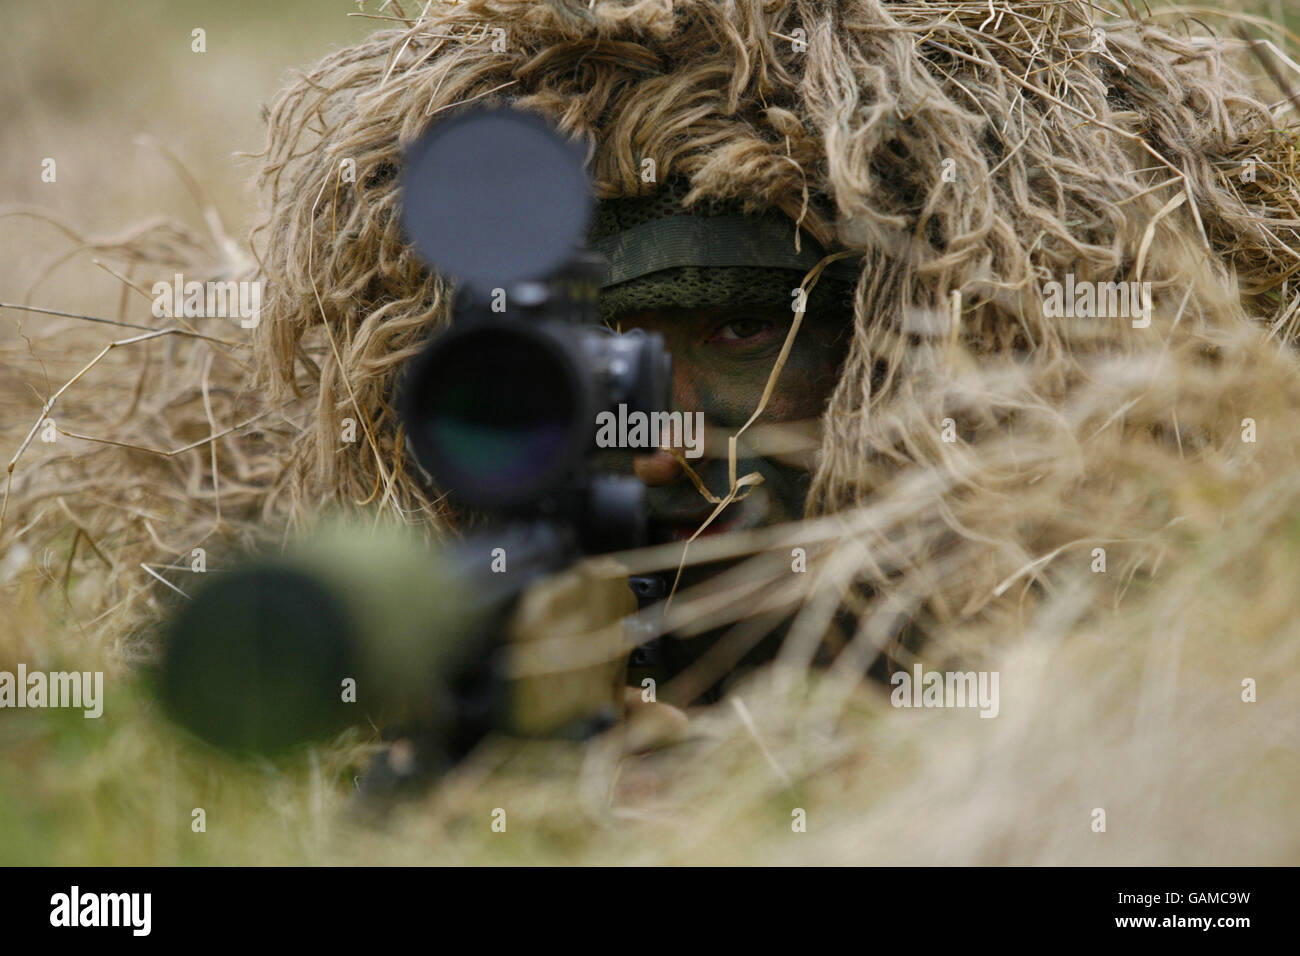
661 255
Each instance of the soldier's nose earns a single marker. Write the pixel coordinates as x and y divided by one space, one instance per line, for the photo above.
657 468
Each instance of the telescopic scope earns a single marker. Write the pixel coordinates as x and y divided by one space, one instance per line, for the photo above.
501 410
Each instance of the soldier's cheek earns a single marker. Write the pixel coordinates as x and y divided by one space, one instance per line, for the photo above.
727 393
699 388
804 387
727 389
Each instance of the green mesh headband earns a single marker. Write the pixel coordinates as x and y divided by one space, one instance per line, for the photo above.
660 255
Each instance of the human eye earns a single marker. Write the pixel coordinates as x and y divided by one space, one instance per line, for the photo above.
746 330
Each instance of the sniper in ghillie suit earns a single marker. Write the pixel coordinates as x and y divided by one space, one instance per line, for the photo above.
764 431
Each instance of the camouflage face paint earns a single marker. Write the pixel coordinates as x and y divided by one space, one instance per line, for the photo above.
722 358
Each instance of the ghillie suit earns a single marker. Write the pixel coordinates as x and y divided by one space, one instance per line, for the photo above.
1051 495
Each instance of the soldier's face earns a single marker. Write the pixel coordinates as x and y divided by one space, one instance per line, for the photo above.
722 359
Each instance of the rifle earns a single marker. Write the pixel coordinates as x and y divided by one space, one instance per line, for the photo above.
516 628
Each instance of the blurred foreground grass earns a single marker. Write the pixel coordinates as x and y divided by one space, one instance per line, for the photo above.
1139 712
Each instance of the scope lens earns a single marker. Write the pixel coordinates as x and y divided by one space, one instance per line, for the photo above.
497 415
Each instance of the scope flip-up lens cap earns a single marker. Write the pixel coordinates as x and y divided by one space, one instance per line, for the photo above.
495 196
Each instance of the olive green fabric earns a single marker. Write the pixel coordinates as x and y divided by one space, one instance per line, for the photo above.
661 255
